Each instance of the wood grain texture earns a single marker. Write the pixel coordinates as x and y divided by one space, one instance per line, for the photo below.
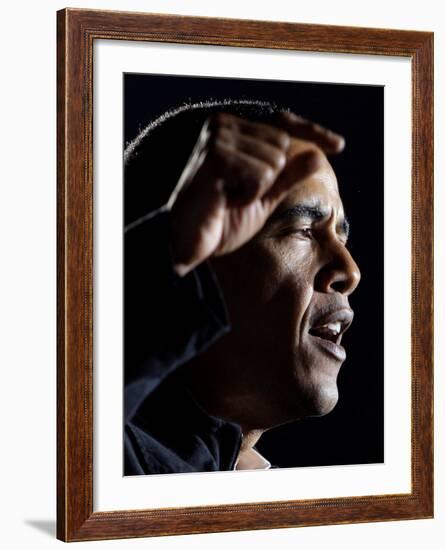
76 31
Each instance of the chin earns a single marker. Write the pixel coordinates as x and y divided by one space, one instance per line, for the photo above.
313 401
322 401
325 401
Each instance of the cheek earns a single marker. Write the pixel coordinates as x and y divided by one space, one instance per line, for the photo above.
266 282
289 268
293 291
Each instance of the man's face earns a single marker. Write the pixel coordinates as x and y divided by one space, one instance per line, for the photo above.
287 296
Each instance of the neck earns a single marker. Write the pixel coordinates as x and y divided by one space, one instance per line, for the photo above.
220 395
250 439
233 410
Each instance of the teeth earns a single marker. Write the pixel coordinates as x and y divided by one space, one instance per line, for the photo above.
335 328
329 331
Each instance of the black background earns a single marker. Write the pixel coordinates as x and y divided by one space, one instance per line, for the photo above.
353 432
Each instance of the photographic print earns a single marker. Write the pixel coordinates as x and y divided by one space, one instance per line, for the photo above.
240 362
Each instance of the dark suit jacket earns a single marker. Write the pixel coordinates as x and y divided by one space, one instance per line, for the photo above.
168 320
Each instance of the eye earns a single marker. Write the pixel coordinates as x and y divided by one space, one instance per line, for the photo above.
305 232
302 233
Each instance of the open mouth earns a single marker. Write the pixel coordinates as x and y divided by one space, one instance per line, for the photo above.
329 329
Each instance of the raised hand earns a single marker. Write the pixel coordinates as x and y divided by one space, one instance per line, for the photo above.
237 174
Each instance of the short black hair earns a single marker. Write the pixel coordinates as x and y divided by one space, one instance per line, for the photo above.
150 172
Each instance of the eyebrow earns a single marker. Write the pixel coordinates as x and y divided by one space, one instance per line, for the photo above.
313 212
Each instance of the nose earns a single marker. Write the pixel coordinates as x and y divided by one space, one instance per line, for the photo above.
339 273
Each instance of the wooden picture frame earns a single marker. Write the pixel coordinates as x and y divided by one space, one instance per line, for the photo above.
77 31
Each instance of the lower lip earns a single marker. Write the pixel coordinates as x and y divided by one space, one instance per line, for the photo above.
332 349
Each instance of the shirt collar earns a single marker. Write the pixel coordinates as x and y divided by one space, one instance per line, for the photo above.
252 460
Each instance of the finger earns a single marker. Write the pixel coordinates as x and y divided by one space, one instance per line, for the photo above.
300 167
274 156
245 178
266 132
299 127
